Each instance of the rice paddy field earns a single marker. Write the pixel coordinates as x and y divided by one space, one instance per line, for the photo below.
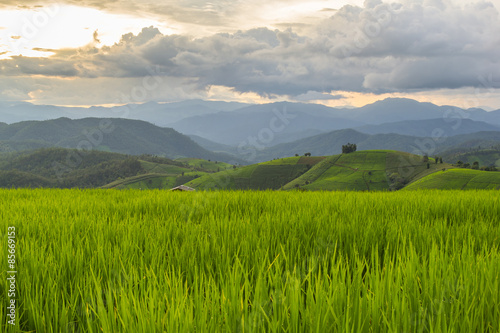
236 261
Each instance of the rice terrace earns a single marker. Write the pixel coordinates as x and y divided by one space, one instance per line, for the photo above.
362 241
243 261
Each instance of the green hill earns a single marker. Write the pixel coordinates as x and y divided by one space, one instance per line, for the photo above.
147 181
268 175
41 162
214 166
485 157
125 136
171 177
66 168
375 170
17 179
458 179
331 144
166 176
15 146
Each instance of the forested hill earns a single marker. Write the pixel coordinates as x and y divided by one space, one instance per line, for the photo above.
69 168
133 137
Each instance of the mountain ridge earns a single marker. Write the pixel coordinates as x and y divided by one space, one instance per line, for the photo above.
134 137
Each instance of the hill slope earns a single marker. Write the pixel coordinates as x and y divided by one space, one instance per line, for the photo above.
485 157
331 144
373 170
362 170
458 179
268 175
123 136
65 168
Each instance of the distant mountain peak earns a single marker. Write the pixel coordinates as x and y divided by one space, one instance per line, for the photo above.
398 101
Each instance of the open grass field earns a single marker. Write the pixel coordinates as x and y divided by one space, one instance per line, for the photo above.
159 261
459 179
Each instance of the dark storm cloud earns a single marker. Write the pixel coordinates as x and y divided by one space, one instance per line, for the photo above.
417 45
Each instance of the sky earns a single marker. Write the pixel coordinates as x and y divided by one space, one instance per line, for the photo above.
333 52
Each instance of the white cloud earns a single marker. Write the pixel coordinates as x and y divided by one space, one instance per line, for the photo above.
412 46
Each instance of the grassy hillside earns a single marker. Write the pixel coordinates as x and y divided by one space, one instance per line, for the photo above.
147 181
66 168
331 144
375 170
458 179
268 175
205 164
15 146
356 171
319 145
166 176
159 181
485 157
41 162
16 179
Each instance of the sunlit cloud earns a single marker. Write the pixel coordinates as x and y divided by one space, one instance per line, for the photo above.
465 98
63 26
260 51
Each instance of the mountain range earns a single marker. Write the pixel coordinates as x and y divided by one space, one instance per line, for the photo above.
125 136
240 133
331 144
157 113
272 124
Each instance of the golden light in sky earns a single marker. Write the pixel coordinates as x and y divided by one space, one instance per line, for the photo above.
63 26
257 51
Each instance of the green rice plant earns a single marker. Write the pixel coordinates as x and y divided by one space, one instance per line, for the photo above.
241 261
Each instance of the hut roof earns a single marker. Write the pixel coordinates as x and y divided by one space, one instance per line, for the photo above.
183 188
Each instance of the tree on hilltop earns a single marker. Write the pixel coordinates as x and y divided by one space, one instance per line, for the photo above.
349 148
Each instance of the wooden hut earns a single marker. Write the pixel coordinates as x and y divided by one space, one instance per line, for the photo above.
183 188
